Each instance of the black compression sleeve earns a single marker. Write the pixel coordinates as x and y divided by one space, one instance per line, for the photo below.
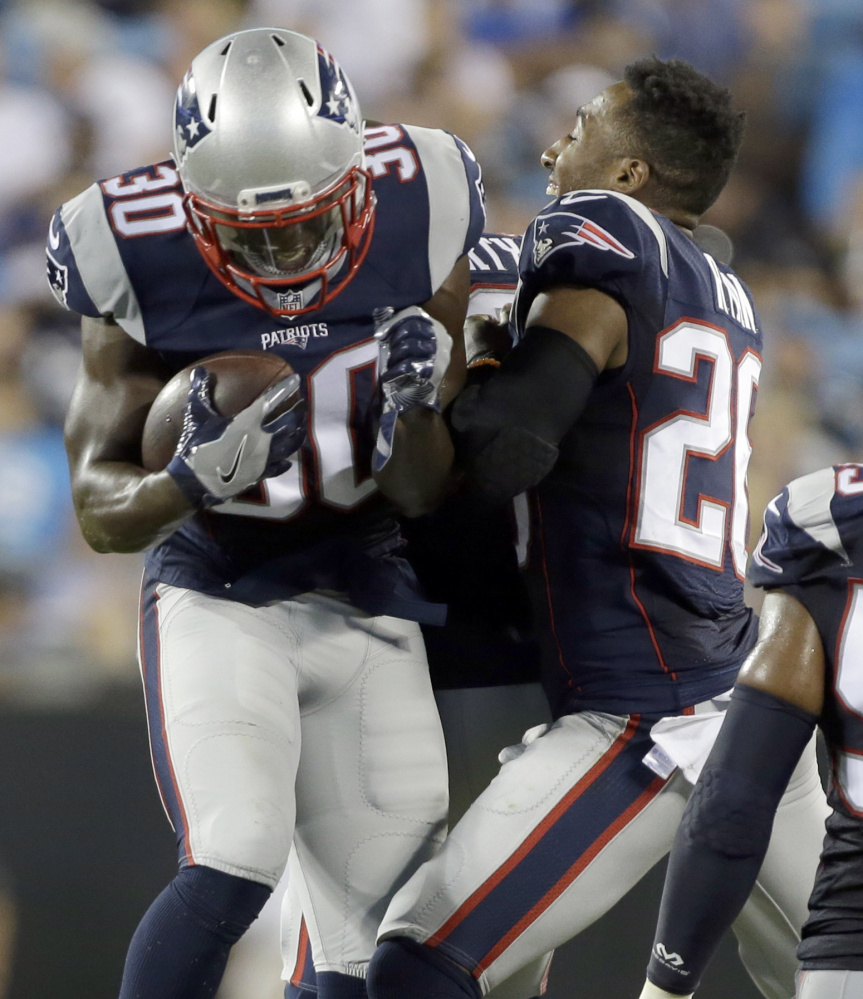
724 833
506 430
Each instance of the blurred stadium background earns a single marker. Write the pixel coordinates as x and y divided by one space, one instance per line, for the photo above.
86 89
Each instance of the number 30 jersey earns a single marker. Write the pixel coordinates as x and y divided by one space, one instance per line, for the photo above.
812 547
639 532
121 249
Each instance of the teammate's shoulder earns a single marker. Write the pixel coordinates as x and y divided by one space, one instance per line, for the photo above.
494 259
597 231
134 222
811 528
429 189
401 151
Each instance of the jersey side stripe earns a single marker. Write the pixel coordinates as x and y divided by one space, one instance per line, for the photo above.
150 656
587 817
580 865
449 202
99 262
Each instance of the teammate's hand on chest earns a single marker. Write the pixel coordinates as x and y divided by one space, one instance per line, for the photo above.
487 340
218 456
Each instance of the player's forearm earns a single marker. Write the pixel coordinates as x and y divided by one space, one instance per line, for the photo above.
419 473
724 833
506 429
122 508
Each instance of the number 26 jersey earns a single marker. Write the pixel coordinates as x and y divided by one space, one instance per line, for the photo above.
638 547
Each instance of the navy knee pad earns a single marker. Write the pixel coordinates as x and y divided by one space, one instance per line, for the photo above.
401 968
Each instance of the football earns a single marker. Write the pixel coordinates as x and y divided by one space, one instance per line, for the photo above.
239 377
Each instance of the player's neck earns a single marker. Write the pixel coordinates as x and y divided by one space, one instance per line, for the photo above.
685 221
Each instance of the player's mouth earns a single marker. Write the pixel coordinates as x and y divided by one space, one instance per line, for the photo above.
552 188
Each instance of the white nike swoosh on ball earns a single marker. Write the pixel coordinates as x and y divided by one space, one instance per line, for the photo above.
226 477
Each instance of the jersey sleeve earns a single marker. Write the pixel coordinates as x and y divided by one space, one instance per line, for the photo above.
85 270
800 542
456 199
493 273
595 238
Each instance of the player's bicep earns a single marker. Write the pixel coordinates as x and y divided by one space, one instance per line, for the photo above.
595 320
116 384
449 306
788 659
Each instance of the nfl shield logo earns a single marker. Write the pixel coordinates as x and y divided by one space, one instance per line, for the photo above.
290 300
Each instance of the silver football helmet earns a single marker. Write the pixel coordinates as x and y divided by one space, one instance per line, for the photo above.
268 142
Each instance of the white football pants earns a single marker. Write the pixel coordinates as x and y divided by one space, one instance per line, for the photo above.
305 722
477 723
830 985
571 823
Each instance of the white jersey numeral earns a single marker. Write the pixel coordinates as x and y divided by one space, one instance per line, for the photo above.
382 151
849 481
666 449
142 183
139 211
335 399
148 215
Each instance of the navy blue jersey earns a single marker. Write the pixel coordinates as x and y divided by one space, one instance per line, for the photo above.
121 249
467 553
812 548
639 543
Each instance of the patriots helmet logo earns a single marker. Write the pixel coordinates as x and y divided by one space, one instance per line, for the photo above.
189 124
338 101
58 279
576 230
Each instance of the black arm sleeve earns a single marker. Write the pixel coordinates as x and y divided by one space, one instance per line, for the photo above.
724 833
506 430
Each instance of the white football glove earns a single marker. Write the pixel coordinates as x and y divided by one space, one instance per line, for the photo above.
414 356
218 457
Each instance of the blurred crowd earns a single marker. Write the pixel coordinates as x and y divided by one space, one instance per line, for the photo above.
86 92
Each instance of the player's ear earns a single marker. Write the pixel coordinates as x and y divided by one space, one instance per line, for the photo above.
632 175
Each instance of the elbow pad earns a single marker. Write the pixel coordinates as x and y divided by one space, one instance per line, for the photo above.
506 430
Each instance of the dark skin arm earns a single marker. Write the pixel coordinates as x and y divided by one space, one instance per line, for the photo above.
787 662
120 506
596 321
788 659
418 475
593 319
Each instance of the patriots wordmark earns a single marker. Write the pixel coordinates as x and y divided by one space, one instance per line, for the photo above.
295 336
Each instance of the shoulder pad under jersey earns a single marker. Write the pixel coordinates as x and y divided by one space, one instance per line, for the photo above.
809 529
596 238
456 198
87 270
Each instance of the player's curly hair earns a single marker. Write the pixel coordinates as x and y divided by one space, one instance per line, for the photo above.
684 125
